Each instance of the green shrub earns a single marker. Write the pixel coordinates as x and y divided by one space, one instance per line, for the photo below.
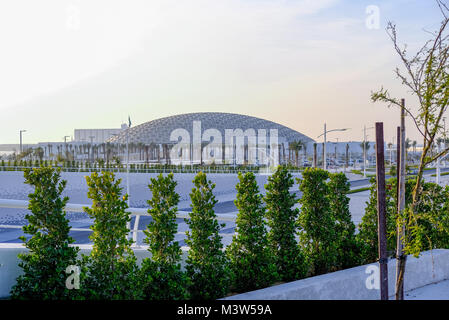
368 229
432 217
348 248
49 255
393 171
317 224
251 263
281 219
206 263
110 272
161 275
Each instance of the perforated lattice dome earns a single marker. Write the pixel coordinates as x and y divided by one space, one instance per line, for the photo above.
158 131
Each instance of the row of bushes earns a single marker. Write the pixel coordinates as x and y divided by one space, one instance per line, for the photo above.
274 240
140 167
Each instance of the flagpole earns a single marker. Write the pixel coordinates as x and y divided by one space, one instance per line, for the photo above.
127 158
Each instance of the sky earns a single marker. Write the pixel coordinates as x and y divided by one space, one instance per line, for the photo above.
67 64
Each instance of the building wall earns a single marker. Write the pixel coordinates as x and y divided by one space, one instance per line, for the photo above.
95 135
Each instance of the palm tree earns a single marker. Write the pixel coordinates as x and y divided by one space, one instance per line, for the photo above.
49 150
88 147
39 153
283 153
390 147
304 148
108 150
296 146
408 144
365 146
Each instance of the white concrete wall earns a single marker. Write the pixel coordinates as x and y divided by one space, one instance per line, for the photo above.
350 284
10 270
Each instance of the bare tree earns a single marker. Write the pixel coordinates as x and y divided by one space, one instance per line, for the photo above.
426 75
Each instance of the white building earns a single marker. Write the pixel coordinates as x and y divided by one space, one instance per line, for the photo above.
95 135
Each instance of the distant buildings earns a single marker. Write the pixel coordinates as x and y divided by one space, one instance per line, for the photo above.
211 137
193 138
96 135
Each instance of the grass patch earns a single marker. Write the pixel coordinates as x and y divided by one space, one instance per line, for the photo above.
358 190
441 174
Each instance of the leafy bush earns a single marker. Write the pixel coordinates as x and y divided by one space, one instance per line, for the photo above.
281 219
317 225
206 263
431 220
250 259
348 248
162 275
430 228
110 272
49 255
368 228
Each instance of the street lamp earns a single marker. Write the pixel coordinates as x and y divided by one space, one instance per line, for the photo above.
65 145
444 138
440 146
92 147
324 146
364 149
21 140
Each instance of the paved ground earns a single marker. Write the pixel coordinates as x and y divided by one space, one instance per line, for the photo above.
12 187
81 220
436 291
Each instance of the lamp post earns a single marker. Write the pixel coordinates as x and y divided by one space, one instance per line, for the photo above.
92 148
127 163
444 140
136 222
324 146
364 149
65 145
440 146
21 140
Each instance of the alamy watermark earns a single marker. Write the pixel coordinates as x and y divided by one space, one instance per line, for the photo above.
73 20
251 146
372 21
73 280
372 282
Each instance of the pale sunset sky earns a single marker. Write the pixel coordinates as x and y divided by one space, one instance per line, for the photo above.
91 63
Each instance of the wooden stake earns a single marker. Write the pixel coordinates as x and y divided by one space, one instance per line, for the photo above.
401 258
381 211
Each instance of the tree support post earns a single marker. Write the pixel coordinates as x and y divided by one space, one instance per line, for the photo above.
401 258
382 225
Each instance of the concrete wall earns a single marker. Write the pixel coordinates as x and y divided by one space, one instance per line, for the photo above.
351 284
10 270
